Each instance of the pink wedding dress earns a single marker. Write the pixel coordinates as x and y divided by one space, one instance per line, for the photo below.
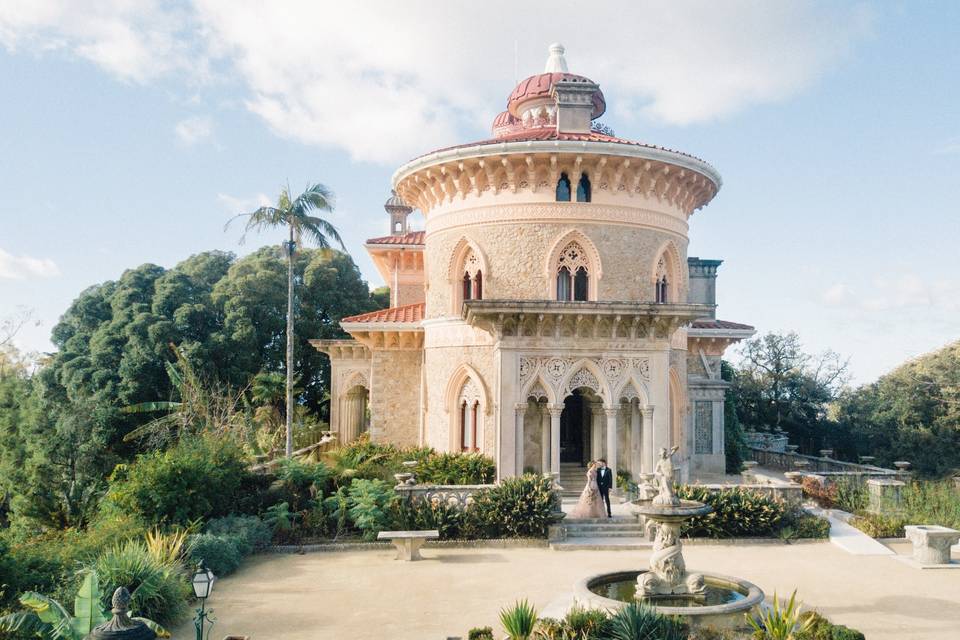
590 505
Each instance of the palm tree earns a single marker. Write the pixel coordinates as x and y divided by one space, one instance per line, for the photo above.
294 213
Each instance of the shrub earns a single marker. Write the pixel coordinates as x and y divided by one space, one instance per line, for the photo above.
221 554
198 478
480 633
737 512
518 507
519 621
933 502
850 494
456 468
302 481
879 526
637 621
585 624
799 524
822 629
250 532
159 589
370 502
428 514
782 621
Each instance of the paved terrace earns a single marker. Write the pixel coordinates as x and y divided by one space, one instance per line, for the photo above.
368 595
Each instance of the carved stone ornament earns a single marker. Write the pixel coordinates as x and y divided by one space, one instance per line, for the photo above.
584 378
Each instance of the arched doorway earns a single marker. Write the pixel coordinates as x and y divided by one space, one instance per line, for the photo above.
353 413
581 430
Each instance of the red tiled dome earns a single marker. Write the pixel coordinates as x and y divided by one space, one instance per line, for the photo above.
539 86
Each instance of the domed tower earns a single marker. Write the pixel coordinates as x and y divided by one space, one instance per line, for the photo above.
554 323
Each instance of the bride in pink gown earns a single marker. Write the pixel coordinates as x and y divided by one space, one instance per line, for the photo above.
590 505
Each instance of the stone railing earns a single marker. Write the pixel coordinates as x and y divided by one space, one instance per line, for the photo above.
792 495
786 460
454 495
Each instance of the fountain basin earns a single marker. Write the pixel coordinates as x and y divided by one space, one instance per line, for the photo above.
672 513
723 606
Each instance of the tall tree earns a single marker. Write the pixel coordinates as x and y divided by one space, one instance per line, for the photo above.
779 385
295 215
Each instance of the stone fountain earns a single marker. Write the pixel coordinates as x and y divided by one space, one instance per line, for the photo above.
700 598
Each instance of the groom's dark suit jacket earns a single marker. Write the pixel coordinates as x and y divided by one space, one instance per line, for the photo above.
604 479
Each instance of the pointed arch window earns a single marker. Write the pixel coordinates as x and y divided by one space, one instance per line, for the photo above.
471 286
583 189
573 274
469 417
563 188
661 283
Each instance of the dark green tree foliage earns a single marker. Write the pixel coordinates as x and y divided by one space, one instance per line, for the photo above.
198 478
912 413
733 444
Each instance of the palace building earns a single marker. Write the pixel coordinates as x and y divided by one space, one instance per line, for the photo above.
548 314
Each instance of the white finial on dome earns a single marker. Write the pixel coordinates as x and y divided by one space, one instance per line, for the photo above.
556 63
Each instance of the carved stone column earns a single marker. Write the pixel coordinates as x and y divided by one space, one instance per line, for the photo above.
596 432
612 441
635 464
544 439
646 446
555 411
520 410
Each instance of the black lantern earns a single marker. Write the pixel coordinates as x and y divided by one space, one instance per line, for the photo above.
202 582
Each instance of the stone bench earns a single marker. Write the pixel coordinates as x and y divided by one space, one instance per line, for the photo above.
408 543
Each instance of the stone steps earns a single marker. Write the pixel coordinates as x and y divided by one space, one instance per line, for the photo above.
602 544
636 533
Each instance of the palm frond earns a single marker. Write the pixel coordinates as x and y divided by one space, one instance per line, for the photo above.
163 423
320 230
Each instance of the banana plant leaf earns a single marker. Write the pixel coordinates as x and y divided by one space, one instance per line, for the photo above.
156 628
150 407
26 624
86 606
51 612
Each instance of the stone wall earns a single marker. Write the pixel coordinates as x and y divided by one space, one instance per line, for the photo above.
516 256
454 495
395 397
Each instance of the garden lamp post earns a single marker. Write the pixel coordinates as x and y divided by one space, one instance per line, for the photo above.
202 582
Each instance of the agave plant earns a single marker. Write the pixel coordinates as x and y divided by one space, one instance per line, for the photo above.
519 621
639 621
781 621
46 618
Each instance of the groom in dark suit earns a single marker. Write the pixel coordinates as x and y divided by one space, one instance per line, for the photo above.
604 483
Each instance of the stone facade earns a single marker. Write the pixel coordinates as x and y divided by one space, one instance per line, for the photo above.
548 313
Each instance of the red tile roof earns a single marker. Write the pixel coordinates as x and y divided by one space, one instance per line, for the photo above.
413 237
551 133
411 313
720 324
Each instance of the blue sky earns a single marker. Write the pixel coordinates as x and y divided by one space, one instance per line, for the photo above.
130 132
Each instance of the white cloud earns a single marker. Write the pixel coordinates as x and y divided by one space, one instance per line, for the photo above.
949 147
386 81
236 205
194 129
23 267
837 294
901 292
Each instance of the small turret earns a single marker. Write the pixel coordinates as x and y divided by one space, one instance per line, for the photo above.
398 210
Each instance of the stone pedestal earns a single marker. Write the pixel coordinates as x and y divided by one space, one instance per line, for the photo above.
884 495
795 477
931 543
747 475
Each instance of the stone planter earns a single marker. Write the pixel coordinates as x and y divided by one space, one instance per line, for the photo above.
931 543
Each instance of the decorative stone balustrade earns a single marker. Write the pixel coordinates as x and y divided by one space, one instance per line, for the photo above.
454 495
787 461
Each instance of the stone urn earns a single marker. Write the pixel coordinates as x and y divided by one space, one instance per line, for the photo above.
902 465
801 464
867 460
792 448
826 453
